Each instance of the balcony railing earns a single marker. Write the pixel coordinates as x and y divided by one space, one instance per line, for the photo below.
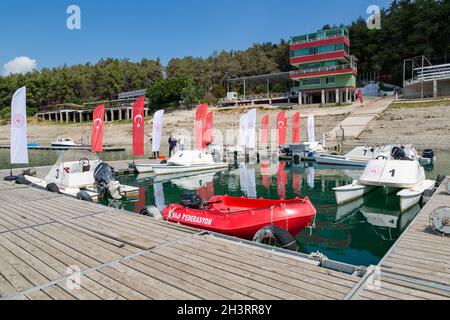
322 69
258 97
326 36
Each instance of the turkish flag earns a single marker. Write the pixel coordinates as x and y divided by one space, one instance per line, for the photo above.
138 127
265 131
97 128
296 128
200 124
207 134
281 128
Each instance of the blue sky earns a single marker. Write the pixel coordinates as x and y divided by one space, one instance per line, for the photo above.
138 29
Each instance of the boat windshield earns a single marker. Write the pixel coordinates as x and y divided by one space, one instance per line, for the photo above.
75 156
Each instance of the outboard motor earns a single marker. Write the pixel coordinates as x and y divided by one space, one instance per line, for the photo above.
428 154
399 154
105 182
191 201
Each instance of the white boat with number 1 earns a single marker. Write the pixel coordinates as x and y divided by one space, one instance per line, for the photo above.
397 174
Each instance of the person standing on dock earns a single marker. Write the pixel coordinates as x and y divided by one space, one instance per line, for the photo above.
172 145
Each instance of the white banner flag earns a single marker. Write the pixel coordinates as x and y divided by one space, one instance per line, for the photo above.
158 119
19 144
251 129
242 130
311 129
160 202
247 179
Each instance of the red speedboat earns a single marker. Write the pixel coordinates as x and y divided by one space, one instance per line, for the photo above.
241 217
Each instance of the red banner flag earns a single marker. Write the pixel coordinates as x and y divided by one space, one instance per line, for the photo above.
200 123
138 127
207 134
360 95
296 183
265 131
281 128
296 128
206 192
265 173
282 180
140 204
97 128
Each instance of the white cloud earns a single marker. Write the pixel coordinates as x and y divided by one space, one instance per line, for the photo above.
19 65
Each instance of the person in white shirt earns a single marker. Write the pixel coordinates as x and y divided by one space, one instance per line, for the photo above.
181 141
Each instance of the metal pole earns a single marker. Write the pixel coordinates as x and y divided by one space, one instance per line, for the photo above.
421 72
404 72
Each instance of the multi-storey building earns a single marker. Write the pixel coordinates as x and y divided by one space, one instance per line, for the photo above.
325 70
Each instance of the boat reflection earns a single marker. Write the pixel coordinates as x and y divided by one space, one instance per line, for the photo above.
389 224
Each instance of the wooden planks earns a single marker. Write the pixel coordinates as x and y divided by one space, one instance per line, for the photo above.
418 265
44 237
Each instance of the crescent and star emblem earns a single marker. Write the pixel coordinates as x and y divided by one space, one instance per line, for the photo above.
138 123
98 122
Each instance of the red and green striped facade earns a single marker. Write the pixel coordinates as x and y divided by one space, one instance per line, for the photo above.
323 66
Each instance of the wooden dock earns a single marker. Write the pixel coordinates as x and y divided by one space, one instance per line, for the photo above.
46 237
56 247
417 267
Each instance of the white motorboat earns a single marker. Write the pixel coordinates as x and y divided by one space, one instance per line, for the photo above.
359 156
394 174
78 171
188 161
65 142
143 168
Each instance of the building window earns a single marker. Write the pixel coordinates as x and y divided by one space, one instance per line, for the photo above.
311 82
330 80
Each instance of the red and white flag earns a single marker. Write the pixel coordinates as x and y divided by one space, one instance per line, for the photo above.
296 128
281 128
97 128
265 131
138 127
207 134
200 124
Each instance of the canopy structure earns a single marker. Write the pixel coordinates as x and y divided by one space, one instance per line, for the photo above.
268 79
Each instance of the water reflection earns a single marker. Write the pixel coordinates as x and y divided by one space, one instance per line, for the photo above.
358 233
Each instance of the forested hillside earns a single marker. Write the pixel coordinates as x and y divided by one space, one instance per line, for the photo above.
409 28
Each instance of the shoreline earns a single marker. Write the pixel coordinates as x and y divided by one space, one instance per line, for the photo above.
423 126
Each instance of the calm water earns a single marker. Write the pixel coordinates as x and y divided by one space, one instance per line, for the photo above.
359 233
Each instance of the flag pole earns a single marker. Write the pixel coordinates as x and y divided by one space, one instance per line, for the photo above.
10 177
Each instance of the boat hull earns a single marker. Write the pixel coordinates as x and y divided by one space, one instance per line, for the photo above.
392 173
144 168
166 169
294 216
351 192
340 161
